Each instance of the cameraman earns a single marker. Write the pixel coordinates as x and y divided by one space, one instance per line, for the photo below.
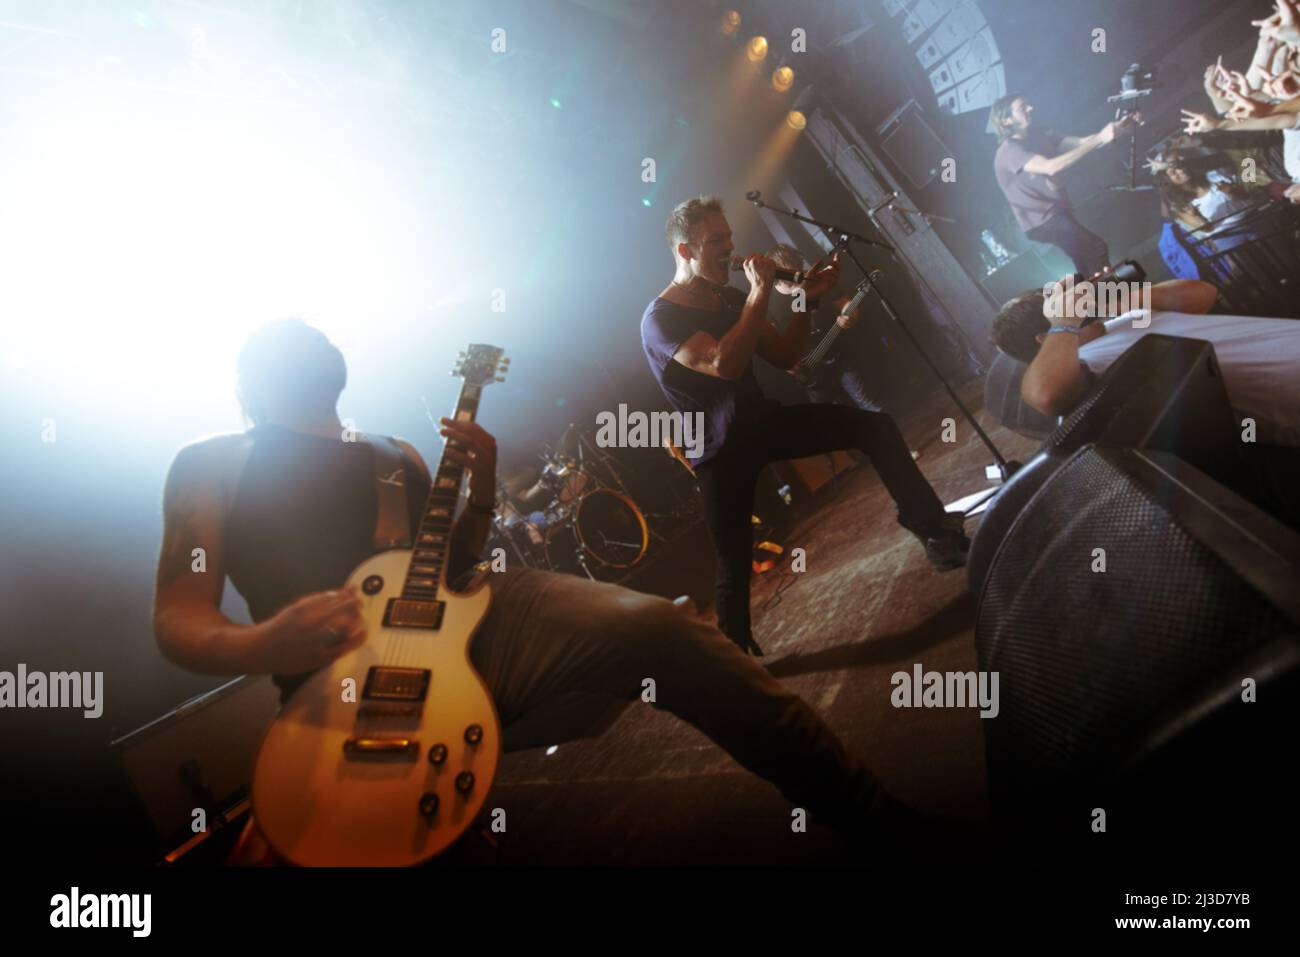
1028 165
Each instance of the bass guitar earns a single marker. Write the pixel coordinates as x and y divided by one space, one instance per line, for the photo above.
820 355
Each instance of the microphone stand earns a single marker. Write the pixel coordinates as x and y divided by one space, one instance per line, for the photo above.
928 217
844 239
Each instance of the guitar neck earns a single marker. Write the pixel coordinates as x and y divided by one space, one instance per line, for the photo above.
433 540
818 354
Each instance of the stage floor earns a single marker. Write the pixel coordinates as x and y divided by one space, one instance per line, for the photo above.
653 790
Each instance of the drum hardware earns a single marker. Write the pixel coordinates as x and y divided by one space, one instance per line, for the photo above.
606 531
584 522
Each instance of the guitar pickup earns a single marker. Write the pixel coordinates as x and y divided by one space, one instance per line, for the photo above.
413 613
396 685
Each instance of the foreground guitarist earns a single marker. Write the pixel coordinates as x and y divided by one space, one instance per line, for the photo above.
287 510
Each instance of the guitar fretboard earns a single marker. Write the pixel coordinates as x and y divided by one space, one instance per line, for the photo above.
818 355
433 540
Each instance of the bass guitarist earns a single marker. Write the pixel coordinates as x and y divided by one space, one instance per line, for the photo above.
830 370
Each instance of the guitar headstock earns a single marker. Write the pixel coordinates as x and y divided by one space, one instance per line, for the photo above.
481 364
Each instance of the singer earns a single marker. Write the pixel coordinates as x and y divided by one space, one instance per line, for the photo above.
1028 165
700 337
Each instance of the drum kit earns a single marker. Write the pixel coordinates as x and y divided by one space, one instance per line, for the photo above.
577 518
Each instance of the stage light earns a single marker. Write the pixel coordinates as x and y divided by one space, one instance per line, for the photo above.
730 22
803 105
555 102
757 49
645 201
782 79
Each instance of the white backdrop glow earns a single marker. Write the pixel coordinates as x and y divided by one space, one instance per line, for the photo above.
144 233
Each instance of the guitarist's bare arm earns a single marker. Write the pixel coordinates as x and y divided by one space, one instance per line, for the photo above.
188 624
187 620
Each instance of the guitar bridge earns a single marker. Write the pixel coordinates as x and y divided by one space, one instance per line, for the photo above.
354 748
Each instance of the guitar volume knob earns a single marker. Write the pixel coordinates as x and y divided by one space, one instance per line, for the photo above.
474 733
438 755
465 782
428 804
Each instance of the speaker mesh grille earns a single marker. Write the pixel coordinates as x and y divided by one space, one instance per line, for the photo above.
1087 658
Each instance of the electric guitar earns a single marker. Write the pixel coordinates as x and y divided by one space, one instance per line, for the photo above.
385 756
810 364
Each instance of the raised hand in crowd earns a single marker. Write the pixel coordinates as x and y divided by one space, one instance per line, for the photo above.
1284 25
1216 81
1194 123
1245 107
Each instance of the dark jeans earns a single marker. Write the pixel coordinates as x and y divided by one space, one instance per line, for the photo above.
843 385
790 432
1085 248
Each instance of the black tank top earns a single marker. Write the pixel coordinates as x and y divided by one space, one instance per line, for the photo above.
303 516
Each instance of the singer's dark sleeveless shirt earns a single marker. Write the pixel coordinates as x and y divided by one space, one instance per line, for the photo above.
303 516
732 409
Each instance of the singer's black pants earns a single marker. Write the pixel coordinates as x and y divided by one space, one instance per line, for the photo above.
728 481
1085 248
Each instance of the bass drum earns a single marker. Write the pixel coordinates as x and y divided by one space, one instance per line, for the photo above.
606 531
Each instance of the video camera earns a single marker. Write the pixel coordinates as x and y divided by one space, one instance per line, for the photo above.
1137 82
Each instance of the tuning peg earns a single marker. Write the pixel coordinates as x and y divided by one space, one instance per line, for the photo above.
506 361
500 379
503 368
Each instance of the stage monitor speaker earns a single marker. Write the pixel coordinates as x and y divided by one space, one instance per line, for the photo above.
198 755
1002 511
1133 607
1023 273
1164 392
1002 399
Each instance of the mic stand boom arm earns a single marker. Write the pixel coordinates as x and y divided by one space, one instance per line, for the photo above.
843 239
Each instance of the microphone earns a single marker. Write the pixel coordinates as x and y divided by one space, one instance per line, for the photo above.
753 195
738 265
